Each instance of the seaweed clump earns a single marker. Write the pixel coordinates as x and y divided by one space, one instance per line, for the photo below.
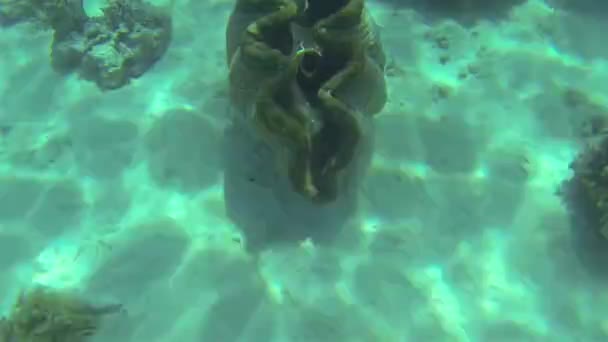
111 49
45 315
585 195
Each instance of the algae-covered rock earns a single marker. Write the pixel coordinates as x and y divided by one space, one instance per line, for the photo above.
122 44
111 49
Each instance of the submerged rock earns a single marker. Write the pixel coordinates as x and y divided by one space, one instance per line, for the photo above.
114 48
111 49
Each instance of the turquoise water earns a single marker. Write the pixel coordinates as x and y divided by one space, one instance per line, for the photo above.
115 188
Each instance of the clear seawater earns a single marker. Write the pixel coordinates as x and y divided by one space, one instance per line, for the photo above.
461 234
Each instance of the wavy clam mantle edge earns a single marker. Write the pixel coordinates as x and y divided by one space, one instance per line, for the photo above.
311 103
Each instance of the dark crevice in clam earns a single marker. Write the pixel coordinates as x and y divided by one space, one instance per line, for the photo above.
308 75
320 9
280 38
314 70
309 63
325 147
